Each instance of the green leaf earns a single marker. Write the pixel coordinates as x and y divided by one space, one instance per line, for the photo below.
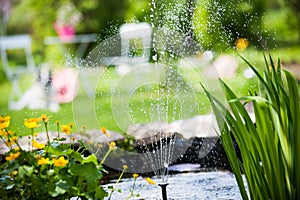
58 191
91 158
25 171
55 150
84 144
269 149
89 172
77 156
100 193
9 187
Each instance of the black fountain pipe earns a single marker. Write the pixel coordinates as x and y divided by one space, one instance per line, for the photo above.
164 190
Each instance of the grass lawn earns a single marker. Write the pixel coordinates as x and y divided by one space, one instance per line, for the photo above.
116 106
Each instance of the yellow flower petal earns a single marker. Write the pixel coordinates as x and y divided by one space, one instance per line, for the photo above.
43 161
32 123
66 129
150 181
135 176
38 145
112 145
45 118
4 122
12 156
60 162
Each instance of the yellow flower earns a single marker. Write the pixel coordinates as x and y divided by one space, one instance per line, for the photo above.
71 125
135 176
38 145
32 122
99 146
14 173
241 44
150 181
11 141
112 145
2 133
43 161
45 118
10 132
17 148
4 122
60 162
125 167
66 129
12 156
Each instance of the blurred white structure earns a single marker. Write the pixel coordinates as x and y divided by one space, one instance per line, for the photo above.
15 72
136 43
37 96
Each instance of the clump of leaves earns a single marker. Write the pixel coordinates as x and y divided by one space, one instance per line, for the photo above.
270 147
52 170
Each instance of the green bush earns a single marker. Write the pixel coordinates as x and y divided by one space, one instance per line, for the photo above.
218 23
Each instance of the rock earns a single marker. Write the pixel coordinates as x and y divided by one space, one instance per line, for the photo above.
91 137
198 126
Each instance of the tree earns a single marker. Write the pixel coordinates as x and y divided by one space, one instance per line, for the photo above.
294 5
218 23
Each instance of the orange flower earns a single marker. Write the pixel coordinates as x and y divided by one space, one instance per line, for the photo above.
38 145
12 156
4 122
150 181
43 161
104 131
60 162
45 118
32 122
241 44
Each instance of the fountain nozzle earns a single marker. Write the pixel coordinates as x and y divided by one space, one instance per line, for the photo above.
164 190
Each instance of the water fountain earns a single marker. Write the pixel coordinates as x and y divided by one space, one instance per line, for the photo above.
159 71
172 98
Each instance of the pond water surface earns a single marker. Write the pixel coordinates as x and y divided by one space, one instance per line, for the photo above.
185 186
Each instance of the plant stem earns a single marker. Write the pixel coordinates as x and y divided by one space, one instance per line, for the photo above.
46 129
113 189
105 156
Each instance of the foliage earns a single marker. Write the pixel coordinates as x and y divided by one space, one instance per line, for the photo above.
57 169
294 6
37 18
218 23
269 147
51 170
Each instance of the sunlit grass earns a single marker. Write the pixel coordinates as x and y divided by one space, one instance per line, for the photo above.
97 112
